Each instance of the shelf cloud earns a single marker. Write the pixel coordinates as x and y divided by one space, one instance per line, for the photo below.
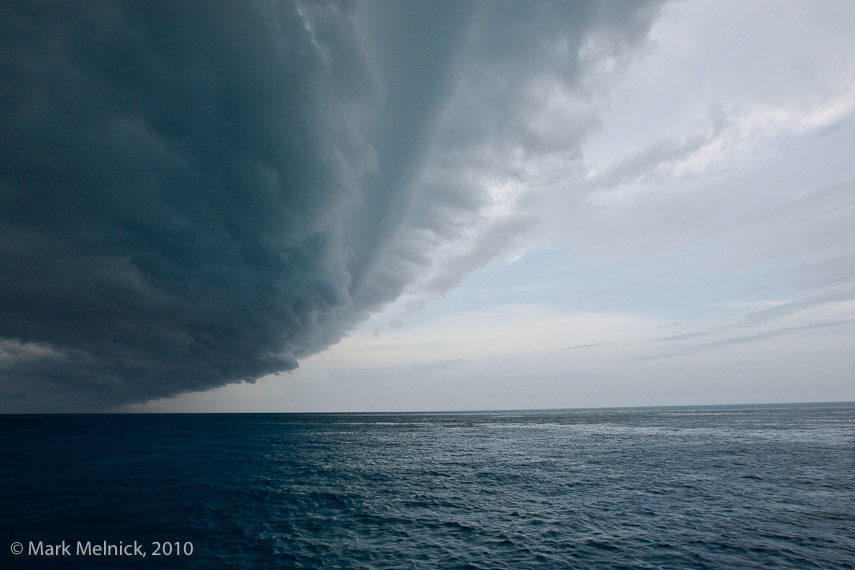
200 193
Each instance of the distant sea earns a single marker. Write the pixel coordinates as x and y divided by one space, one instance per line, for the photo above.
673 488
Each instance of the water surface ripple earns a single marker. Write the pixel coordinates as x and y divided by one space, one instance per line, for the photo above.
671 488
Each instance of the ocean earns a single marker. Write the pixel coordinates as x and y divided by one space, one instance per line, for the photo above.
683 488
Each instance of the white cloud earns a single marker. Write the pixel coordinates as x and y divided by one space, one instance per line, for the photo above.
532 356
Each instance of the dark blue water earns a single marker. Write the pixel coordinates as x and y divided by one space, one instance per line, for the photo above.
681 488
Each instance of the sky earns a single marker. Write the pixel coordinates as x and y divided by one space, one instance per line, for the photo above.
380 206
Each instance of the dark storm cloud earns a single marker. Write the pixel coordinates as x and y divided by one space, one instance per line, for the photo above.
171 182
527 82
198 193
